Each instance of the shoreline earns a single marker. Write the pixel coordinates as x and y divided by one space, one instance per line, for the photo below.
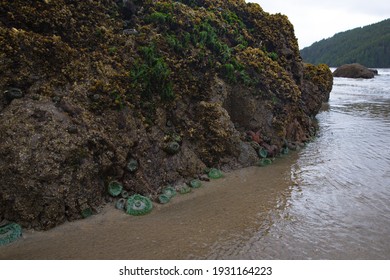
185 213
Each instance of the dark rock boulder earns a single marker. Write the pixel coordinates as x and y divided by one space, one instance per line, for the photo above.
354 70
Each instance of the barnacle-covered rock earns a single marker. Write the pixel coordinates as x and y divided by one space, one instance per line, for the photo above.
115 188
138 205
9 233
215 173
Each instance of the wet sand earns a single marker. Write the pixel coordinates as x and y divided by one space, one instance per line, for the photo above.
191 226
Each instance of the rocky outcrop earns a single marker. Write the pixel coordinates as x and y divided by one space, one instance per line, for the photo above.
354 70
195 84
316 87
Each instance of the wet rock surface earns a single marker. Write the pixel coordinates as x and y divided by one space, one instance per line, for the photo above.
81 99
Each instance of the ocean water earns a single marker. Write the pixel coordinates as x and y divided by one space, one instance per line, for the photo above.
339 204
330 200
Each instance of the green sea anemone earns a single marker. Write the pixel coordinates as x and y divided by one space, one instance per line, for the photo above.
195 183
169 191
265 162
138 205
184 189
163 198
285 151
172 148
124 194
132 165
120 204
263 153
86 212
215 173
9 233
115 188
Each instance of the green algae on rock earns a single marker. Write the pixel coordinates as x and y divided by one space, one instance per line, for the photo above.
138 205
9 233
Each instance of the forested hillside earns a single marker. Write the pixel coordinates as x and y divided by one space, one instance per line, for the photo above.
369 45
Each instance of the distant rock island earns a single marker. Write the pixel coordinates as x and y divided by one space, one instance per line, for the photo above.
369 46
354 70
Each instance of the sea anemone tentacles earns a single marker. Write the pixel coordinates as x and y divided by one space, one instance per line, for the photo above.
138 205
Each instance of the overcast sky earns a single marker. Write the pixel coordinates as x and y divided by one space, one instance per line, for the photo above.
315 20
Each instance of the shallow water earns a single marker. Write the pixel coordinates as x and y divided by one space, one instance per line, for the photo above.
330 200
